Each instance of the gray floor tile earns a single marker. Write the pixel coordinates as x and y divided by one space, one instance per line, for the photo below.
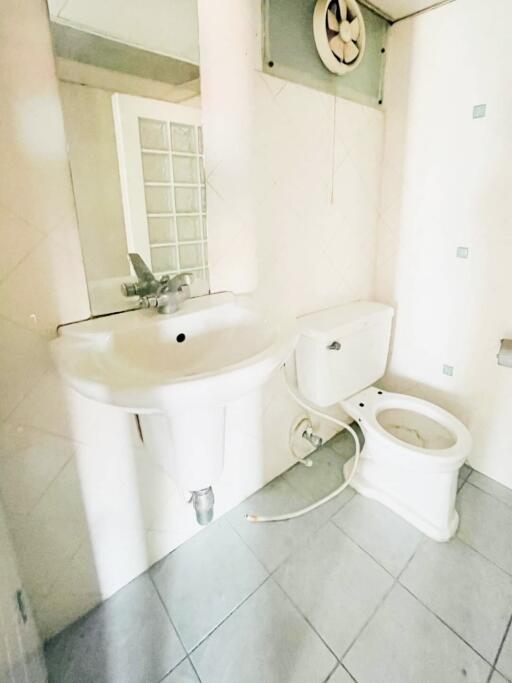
128 638
324 476
335 584
485 524
205 579
493 487
272 543
340 676
464 473
183 673
343 443
504 663
498 678
405 643
265 640
382 533
466 590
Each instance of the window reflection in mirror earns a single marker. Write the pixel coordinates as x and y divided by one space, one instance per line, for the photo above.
130 92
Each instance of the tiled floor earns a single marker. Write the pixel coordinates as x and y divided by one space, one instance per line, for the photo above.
347 593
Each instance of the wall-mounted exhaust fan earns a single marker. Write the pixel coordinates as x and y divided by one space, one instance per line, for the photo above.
340 37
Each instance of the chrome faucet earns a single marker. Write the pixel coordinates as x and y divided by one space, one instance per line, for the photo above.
164 294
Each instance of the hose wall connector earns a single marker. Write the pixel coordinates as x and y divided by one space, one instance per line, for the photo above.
315 440
203 501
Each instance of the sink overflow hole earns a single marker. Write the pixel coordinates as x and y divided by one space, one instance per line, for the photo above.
180 338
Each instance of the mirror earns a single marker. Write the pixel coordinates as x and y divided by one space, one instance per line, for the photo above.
130 91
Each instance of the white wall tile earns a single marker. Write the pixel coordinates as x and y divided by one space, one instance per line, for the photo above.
29 462
18 239
24 358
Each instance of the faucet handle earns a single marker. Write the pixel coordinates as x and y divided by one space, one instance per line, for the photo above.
146 281
142 271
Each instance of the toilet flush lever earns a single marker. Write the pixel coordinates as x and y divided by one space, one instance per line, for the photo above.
334 346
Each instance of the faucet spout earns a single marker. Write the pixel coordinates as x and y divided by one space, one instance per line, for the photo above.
179 281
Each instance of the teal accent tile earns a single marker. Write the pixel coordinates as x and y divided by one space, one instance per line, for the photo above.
479 111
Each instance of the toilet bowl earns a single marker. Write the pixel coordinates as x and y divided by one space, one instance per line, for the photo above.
411 457
413 449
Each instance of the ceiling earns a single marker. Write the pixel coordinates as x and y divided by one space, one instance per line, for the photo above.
167 27
399 9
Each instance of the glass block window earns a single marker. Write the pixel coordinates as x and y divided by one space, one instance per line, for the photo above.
175 196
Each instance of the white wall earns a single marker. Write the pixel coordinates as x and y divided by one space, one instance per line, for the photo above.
446 183
293 175
292 190
21 656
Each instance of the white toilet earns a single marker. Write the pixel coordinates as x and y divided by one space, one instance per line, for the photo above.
413 449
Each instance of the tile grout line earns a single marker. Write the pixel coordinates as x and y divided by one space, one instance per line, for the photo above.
466 543
294 550
396 581
248 547
338 661
339 667
367 552
235 609
366 623
486 493
471 547
460 483
491 495
177 634
446 624
331 674
500 648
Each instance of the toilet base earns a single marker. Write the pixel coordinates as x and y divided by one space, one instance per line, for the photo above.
437 521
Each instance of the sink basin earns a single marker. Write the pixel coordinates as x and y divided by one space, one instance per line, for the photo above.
212 351
188 365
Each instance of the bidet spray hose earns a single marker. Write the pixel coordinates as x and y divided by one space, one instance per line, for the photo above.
329 496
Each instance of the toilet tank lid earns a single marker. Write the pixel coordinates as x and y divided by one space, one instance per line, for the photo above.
334 323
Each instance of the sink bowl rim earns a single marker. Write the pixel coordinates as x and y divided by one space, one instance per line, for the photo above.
76 351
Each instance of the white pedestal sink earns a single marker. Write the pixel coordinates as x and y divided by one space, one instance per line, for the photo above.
188 365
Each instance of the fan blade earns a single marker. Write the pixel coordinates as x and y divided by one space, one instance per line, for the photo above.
345 32
343 9
332 22
355 29
338 47
350 52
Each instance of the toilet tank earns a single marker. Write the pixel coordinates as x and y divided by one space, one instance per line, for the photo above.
342 350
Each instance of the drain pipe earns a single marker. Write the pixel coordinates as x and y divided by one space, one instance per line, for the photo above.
203 501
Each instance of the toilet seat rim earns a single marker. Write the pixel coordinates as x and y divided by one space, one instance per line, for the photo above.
377 400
